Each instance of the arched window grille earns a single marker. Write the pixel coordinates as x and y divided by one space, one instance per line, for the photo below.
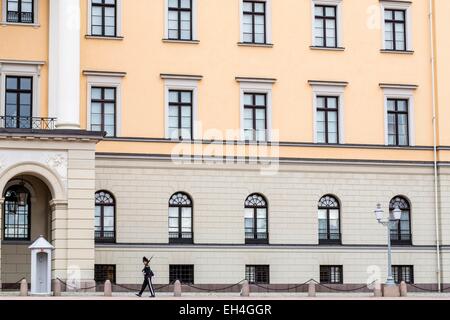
256 217
329 211
401 231
180 218
17 209
105 217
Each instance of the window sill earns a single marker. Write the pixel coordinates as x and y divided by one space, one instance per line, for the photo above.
180 41
397 51
250 44
19 24
103 37
327 48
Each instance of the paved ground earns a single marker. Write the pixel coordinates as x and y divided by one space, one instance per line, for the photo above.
233 296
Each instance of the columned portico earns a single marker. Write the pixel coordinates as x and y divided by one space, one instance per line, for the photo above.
64 63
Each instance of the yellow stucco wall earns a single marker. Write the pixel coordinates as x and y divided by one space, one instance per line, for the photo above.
144 56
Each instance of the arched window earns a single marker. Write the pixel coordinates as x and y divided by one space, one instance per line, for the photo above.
401 231
180 218
256 216
105 217
17 208
329 220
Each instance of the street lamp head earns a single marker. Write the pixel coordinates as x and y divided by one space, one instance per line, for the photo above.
379 212
397 213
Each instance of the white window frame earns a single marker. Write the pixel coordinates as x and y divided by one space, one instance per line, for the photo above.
339 33
118 21
393 92
268 23
194 23
35 17
21 69
249 85
332 90
179 82
98 79
399 5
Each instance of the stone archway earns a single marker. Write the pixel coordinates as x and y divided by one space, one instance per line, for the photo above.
47 206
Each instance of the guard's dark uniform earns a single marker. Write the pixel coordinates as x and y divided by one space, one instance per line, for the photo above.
148 274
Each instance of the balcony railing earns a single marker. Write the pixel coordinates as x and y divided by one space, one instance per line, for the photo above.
330 238
19 17
403 238
35 123
256 237
105 236
180 237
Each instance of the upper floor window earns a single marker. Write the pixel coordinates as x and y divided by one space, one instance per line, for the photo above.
256 216
325 26
104 18
103 110
331 274
254 22
329 220
17 208
398 122
401 231
403 273
20 11
180 20
180 114
255 116
395 29
327 115
19 102
105 217
180 218
259 274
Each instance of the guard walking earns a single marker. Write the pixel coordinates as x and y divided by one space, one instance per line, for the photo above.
148 274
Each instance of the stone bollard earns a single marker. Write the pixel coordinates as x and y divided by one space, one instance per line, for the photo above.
245 289
311 289
403 289
377 290
108 288
56 288
23 288
177 289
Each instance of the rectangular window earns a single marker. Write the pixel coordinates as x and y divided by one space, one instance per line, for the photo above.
105 272
398 122
257 274
403 273
183 273
20 11
254 24
103 18
180 114
19 98
395 29
180 20
327 119
331 274
325 26
103 110
255 116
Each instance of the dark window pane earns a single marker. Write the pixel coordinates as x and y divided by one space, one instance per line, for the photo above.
183 273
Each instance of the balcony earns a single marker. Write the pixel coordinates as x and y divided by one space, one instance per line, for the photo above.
401 239
330 238
30 123
181 238
256 238
19 17
105 236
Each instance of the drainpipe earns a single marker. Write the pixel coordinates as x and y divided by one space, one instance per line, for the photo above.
436 174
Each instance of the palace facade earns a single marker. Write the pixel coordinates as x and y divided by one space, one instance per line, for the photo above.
228 140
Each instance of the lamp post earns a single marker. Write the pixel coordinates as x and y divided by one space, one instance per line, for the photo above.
388 222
